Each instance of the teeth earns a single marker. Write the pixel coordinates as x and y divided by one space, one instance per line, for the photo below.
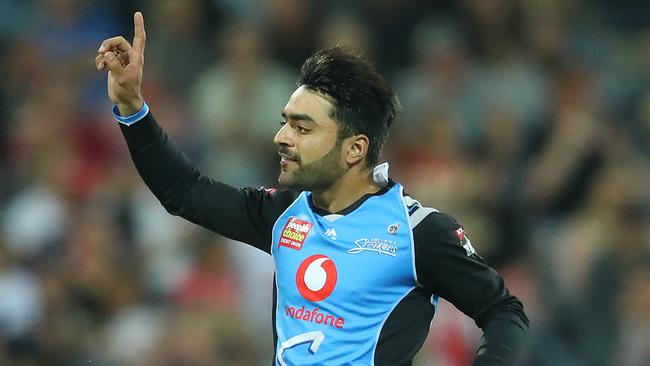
286 158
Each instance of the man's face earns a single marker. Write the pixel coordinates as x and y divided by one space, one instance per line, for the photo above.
310 153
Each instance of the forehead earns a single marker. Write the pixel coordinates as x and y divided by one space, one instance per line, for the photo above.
304 101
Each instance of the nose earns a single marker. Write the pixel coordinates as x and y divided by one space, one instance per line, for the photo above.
282 136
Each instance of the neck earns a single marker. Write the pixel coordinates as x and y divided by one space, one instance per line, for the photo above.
348 189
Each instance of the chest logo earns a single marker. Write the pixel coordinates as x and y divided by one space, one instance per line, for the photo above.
294 233
379 246
316 277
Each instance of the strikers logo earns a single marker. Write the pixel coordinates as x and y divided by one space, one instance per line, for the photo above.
294 233
316 277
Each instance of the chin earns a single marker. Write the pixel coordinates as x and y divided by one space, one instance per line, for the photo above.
284 181
288 182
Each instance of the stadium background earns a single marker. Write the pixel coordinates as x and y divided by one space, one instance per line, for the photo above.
528 120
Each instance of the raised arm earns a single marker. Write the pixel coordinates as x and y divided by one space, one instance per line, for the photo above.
242 214
125 65
448 266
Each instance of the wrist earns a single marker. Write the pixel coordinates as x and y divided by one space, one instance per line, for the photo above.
131 107
132 118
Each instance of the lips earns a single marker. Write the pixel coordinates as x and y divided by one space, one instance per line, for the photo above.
285 157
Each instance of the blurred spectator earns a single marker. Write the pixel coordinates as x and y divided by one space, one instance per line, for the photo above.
290 24
617 291
179 33
238 101
21 306
199 337
209 283
390 23
634 345
571 152
437 83
63 27
348 32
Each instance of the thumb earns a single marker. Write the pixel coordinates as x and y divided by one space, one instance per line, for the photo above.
113 63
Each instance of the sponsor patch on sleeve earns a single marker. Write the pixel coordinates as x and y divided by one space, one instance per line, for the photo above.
464 241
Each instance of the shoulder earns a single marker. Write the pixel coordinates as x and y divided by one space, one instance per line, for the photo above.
441 223
433 228
438 231
430 218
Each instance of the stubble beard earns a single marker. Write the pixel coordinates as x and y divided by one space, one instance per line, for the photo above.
317 175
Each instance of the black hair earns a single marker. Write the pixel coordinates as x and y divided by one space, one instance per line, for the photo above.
363 101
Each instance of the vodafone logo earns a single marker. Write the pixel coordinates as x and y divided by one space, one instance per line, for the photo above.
316 277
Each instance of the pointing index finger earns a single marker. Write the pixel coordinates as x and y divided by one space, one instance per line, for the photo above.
139 35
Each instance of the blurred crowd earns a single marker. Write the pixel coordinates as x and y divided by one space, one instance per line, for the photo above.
527 120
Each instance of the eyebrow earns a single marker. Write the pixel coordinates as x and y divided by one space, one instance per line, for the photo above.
298 117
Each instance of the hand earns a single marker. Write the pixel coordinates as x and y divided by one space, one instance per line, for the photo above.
125 66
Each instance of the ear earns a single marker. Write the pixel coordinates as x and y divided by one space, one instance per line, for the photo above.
356 149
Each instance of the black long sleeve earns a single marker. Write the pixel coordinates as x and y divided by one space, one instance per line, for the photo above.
453 272
245 214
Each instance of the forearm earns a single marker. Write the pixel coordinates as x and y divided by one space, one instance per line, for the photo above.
504 335
162 166
245 215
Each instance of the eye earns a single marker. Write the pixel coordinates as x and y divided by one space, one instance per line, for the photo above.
301 129
282 123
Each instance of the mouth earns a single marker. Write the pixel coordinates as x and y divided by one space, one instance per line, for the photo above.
286 158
